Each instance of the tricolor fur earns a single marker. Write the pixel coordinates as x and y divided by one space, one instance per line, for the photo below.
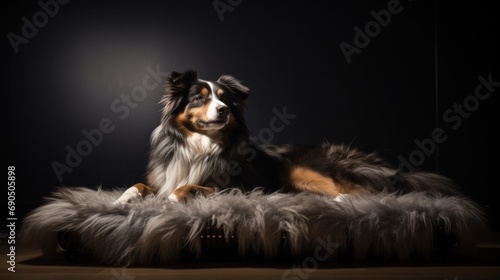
202 145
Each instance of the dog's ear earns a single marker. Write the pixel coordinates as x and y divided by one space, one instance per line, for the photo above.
178 85
234 86
181 80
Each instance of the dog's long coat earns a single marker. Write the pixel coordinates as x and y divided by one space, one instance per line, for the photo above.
202 145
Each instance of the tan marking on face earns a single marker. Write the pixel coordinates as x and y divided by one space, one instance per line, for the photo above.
183 123
187 121
220 92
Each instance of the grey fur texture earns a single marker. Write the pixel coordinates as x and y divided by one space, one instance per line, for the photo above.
154 230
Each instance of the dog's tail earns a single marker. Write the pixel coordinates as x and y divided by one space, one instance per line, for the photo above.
370 172
384 178
422 181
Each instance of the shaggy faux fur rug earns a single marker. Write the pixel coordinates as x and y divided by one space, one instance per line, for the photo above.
385 226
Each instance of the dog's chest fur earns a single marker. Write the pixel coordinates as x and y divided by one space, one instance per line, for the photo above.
177 163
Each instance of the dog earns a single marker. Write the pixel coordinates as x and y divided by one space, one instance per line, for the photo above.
202 145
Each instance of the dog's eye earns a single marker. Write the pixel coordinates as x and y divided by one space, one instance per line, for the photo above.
198 98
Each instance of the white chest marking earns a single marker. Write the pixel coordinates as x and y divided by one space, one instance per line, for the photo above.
190 164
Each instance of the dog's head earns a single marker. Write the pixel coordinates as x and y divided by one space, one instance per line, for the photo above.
208 107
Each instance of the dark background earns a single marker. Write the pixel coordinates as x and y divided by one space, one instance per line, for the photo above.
393 92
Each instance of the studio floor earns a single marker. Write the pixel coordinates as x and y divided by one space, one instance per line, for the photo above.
30 265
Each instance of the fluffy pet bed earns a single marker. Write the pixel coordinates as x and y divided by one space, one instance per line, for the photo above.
382 226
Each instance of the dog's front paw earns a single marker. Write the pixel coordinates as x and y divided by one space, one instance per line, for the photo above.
341 197
173 197
184 193
128 196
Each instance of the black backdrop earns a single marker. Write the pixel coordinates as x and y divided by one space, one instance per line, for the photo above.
82 63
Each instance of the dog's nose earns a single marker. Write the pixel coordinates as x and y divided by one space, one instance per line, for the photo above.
222 111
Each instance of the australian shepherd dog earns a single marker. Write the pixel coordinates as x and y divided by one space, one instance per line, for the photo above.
203 146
